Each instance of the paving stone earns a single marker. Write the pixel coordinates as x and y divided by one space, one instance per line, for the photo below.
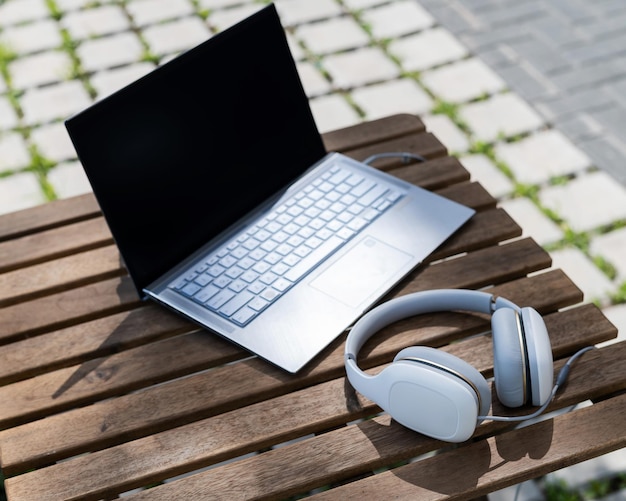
502 114
602 48
20 191
95 22
332 112
397 19
145 12
362 4
607 153
612 119
462 81
532 221
580 77
334 35
222 19
499 57
360 67
486 39
427 49
528 491
605 466
590 201
611 246
314 83
176 36
594 284
533 159
53 142
544 57
555 30
19 11
514 13
39 69
527 81
579 127
219 4
293 12
109 81
109 52
31 37
8 116
70 5
13 152
483 170
69 179
54 102
394 96
447 132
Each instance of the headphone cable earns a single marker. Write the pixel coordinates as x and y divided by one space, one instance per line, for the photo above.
404 155
560 380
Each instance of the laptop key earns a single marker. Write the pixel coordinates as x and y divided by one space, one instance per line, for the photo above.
235 303
316 256
220 299
244 315
207 293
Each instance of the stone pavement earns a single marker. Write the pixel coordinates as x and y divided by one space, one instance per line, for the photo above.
526 93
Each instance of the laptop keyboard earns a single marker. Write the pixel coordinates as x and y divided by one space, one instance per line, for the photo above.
245 276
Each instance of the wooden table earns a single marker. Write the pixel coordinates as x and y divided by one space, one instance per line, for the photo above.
102 394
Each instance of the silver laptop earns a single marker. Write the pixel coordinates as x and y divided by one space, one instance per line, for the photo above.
226 207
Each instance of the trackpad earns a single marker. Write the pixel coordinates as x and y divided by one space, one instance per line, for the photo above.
361 271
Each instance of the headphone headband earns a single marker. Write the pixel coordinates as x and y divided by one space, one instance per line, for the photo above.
418 303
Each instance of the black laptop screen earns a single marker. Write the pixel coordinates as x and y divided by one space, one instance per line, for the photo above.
187 150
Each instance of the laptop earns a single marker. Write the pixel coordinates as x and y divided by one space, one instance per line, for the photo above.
226 207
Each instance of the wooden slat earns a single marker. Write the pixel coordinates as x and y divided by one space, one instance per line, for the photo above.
425 144
470 194
67 308
328 458
80 430
374 131
61 274
433 174
50 244
485 228
97 338
50 215
116 374
478 269
484 467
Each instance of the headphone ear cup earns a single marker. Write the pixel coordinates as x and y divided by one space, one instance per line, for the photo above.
509 361
455 365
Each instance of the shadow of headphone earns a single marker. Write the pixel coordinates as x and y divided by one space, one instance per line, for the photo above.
440 395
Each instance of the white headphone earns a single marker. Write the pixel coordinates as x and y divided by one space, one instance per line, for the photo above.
437 394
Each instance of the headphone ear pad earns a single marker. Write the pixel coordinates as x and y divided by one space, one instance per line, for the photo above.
540 362
509 360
